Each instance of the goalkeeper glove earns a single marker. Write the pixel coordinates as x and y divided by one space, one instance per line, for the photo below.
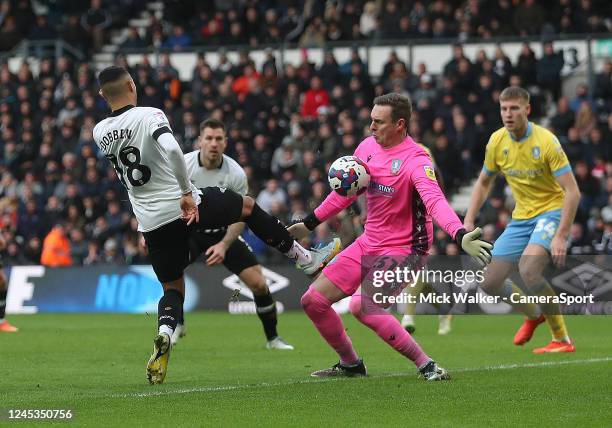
301 228
475 247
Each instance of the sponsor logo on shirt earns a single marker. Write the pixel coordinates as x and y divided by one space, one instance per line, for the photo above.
430 173
382 189
531 173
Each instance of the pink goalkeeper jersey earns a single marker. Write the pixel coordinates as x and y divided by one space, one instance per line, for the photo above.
402 198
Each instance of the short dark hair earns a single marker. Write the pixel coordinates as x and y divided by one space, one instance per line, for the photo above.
514 93
212 123
111 74
401 106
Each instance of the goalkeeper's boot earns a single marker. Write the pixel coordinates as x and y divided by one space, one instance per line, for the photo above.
444 324
432 372
5 327
321 257
179 332
408 323
555 347
524 334
158 363
340 370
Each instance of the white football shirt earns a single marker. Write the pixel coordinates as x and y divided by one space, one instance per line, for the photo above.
128 138
229 175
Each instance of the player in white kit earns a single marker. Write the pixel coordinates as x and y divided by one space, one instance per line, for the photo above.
149 162
209 166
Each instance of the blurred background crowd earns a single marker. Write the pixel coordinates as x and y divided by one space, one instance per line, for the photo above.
309 23
62 204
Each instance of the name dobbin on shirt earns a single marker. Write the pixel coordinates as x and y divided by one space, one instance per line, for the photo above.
115 134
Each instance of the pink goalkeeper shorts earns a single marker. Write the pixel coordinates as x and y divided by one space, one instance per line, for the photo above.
346 271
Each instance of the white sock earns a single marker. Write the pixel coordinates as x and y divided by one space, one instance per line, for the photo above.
164 328
299 254
407 320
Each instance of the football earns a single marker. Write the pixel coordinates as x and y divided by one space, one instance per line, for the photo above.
349 176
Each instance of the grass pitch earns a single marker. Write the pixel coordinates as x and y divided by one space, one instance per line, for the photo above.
220 374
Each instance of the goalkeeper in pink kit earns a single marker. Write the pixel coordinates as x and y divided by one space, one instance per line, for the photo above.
402 198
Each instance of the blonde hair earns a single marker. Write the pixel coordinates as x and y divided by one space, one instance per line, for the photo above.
514 93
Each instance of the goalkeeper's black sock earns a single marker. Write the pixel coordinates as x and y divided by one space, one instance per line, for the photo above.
3 294
266 311
269 229
169 310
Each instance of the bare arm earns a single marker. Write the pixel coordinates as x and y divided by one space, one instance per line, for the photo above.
232 233
481 190
216 253
558 247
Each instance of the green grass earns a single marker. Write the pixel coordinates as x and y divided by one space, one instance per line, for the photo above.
222 375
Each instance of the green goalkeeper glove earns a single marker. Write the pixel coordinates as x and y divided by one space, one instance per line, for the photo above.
475 247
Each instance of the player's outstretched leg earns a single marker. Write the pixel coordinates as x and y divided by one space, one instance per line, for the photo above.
5 327
169 310
328 323
270 230
265 306
391 331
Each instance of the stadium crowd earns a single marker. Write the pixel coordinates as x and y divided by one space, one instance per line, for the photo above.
188 23
61 203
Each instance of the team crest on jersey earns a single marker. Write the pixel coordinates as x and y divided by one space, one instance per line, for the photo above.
396 164
430 173
505 153
535 152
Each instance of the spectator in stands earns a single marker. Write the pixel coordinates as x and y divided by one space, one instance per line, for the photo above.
368 21
603 85
526 66
586 120
78 247
529 18
549 70
42 30
582 95
95 21
563 120
314 98
272 198
179 40
56 250
133 40
10 35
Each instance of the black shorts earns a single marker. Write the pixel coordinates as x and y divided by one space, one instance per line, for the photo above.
169 245
238 256
218 209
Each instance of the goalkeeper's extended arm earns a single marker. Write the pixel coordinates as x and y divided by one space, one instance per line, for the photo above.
301 228
474 246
